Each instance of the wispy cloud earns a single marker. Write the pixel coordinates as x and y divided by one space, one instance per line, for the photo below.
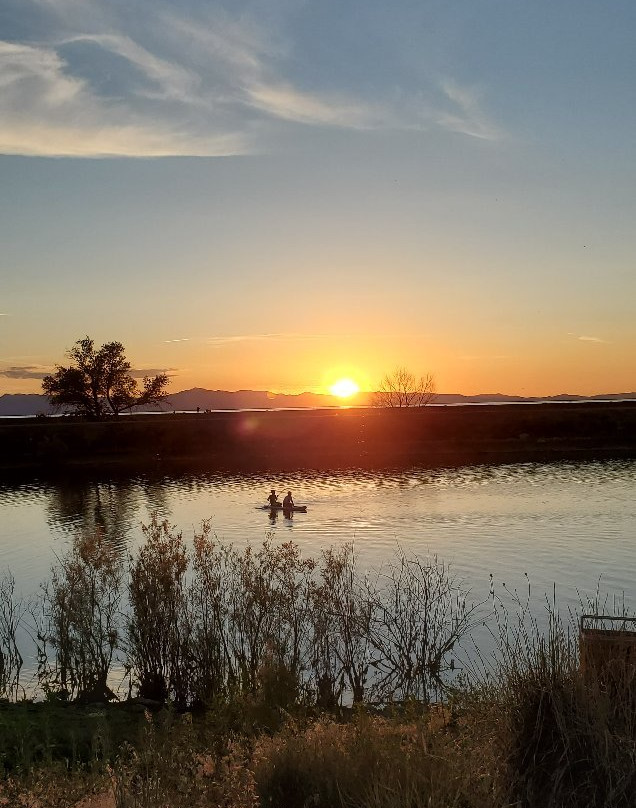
592 339
465 114
179 339
191 80
45 109
485 357
228 339
38 372
24 372
141 373
291 104
166 80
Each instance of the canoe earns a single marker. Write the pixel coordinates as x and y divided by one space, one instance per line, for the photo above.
279 507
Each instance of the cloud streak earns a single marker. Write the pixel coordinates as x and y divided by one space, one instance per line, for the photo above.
24 372
46 111
485 357
237 338
38 373
208 82
142 373
229 339
466 115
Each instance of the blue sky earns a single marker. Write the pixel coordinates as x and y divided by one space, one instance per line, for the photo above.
272 194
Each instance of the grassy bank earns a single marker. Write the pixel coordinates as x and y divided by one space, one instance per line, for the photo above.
324 439
537 735
258 677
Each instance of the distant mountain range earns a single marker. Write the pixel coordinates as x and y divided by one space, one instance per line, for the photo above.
188 400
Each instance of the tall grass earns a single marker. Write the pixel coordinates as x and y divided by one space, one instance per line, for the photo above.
571 740
370 762
565 737
169 765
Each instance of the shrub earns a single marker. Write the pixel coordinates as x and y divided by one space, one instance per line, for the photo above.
420 615
159 626
81 620
269 610
12 610
342 609
214 668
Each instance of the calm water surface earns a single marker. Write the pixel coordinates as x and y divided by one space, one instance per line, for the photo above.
572 525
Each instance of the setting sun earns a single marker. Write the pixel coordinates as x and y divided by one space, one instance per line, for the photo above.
344 388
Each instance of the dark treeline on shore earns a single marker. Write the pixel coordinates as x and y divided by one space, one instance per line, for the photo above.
259 677
321 439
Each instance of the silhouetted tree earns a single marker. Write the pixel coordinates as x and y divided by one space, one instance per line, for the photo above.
98 382
401 389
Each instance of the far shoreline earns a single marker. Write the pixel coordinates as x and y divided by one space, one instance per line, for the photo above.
245 441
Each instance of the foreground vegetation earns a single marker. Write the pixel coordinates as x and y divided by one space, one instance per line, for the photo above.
259 677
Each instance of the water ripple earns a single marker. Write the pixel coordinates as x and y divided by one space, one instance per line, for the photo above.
568 523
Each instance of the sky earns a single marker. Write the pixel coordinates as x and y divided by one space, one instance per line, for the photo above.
274 194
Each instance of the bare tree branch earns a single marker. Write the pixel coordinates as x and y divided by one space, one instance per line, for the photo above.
401 389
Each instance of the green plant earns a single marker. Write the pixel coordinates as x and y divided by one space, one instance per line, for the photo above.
159 627
268 611
80 620
214 668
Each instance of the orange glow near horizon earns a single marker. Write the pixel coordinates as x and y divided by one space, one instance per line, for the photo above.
552 364
344 388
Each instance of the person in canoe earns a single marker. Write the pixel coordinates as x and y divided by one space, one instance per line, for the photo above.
288 502
273 499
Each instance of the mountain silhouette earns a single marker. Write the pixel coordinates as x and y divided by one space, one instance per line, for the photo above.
31 404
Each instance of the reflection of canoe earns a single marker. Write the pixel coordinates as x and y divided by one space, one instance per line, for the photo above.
279 507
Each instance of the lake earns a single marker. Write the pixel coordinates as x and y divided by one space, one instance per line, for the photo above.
572 525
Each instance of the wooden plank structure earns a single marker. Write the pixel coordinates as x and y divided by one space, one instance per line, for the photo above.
607 648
